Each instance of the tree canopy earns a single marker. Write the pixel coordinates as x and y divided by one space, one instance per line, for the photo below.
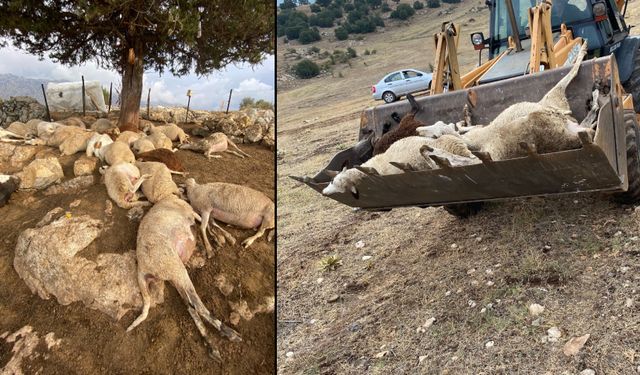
75 31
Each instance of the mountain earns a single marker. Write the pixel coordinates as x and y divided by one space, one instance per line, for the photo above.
12 85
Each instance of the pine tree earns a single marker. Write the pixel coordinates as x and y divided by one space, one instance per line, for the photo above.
133 36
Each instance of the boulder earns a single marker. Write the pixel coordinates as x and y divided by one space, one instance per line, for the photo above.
40 173
253 133
20 108
13 158
73 186
85 165
49 260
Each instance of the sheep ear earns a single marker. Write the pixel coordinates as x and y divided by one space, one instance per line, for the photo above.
330 173
354 192
97 145
344 168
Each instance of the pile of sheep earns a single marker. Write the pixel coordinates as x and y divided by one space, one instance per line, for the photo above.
547 125
132 161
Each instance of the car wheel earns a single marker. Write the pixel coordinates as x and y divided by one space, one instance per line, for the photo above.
389 97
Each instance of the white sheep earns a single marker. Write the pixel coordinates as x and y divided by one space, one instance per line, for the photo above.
123 181
128 137
233 204
172 131
160 185
100 139
142 145
114 153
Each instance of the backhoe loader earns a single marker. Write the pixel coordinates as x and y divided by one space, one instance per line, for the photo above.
530 47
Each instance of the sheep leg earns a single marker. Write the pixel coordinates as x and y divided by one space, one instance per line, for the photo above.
178 173
270 235
209 154
235 153
146 300
214 353
237 148
134 188
187 291
203 225
226 234
266 224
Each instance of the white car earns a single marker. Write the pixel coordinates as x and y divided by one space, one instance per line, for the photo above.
399 83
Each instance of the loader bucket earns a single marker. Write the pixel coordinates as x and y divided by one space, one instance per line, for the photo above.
599 165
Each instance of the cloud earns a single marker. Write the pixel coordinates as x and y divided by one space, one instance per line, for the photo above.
208 91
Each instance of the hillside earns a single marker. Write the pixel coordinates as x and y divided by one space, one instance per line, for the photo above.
578 256
12 85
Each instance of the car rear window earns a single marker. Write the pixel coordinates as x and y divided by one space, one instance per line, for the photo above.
394 77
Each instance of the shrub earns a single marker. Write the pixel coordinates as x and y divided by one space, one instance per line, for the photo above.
373 51
315 8
352 53
341 33
323 19
402 12
374 3
418 5
451 1
323 3
314 49
433 3
288 4
293 32
385 7
366 52
306 69
377 20
309 36
348 7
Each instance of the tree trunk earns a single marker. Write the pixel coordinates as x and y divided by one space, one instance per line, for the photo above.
131 86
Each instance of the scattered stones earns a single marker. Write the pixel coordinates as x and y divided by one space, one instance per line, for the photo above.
46 219
535 309
553 334
367 257
573 346
319 280
489 344
40 173
587 371
381 354
628 302
289 354
421 358
537 322
454 246
75 203
234 318
471 271
85 165
223 284
20 108
359 244
333 298
426 325
471 303
108 207
490 283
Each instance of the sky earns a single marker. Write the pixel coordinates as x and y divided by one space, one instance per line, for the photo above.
208 92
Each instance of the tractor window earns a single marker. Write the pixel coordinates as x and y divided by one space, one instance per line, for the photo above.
394 77
568 12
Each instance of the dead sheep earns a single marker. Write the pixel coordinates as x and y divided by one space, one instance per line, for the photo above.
128 137
165 243
123 181
8 184
76 143
406 152
216 142
172 131
160 184
160 140
46 129
232 204
97 138
142 145
102 125
162 155
547 124
406 127
114 153
74 121
26 131
62 133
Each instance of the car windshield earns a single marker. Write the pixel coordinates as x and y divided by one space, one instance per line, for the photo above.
562 11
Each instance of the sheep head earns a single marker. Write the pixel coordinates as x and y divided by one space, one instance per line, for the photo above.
343 182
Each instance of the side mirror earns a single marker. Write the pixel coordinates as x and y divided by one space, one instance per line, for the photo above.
478 41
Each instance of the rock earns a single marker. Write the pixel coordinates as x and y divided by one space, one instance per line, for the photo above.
422 358
108 208
553 334
223 285
426 325
242 308
40 173
537 322
48 261
20 108
366 257
13 158
289 354
535 309
73 186
489 344
85 165
234 318
359 244
333 298
253 133
75 203
471 303
587 371
573 346
381 354
46 219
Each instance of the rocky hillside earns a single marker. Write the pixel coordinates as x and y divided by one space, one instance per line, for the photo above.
12 85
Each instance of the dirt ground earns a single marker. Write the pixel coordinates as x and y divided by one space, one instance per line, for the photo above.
578 256
168 341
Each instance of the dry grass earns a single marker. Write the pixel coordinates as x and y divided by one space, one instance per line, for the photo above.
578 256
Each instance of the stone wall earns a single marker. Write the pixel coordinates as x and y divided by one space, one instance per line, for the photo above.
20 108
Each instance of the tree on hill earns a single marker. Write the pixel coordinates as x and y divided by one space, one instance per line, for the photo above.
249 102
132 37
403 11
288 4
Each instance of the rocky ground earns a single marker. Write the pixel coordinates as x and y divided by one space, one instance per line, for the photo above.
58 335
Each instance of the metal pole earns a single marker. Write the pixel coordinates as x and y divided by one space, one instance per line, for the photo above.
83 106
110 92
186 117
148 101
46 105
229 102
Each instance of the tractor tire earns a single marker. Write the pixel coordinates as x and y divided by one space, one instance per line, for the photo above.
632 86
632 195
464 210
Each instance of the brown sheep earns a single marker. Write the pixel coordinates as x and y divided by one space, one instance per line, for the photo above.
163 155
